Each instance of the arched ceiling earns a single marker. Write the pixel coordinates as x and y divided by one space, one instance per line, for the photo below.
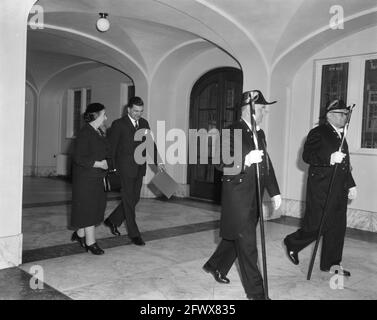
66 46
143 32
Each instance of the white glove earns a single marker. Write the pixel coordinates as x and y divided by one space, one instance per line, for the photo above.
336 157
277 201
254 156
352 193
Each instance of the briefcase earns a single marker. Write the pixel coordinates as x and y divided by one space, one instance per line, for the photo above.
165 183
111 182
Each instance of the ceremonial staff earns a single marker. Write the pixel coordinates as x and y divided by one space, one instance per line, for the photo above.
324 212
254 97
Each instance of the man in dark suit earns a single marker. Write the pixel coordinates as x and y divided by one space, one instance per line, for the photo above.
321 152
239 213
123 144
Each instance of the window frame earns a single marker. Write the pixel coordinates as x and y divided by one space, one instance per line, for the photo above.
360 150
318 83
70 134
355 95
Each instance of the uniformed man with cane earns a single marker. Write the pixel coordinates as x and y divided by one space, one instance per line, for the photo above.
239 213
328 190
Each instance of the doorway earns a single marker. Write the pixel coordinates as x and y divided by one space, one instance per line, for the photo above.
213 105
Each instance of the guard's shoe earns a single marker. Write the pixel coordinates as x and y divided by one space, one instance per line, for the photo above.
292 255
138 241
219 277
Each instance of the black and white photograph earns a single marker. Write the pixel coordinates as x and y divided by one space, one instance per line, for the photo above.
189 157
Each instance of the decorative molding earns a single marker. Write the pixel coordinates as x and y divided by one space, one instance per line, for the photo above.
357 219
29 171
45 171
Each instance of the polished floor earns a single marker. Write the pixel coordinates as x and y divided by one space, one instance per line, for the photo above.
180 235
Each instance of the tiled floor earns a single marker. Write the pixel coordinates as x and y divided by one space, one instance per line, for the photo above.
180 236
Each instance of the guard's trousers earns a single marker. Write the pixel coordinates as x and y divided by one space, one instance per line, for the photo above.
332 242
245 249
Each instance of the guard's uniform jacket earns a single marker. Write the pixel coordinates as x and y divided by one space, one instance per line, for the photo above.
321 142
239 198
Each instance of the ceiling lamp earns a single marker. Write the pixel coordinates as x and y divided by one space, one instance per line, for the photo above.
102 23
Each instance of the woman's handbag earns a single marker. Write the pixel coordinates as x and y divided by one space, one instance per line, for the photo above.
111 181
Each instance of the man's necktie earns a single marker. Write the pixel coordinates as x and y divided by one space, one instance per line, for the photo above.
136 125
101 132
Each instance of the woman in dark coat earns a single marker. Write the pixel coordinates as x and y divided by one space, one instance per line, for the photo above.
89 168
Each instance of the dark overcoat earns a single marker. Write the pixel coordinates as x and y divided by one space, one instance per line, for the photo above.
239 198
88 195
320 143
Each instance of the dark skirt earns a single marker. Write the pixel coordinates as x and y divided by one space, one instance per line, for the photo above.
88 201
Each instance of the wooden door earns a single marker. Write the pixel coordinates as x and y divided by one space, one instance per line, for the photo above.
213 102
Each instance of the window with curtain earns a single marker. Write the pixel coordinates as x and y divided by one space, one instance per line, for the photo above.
334 84
369 125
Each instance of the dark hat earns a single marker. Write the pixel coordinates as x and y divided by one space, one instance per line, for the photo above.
256 95
94 107
336 105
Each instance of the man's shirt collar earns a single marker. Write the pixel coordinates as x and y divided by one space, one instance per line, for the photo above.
132 120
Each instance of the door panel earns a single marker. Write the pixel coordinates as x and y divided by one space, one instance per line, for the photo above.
212 106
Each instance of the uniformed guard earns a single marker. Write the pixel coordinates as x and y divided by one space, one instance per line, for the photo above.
321 152
239 213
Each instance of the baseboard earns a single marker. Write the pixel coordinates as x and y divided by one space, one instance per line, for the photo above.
357 219
45 171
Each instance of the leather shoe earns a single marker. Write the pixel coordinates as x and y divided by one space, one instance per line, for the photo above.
114 230
292 255
95 249
138 241
219 277
339 270
80 240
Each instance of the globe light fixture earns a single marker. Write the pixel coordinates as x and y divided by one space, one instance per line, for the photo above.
102 23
